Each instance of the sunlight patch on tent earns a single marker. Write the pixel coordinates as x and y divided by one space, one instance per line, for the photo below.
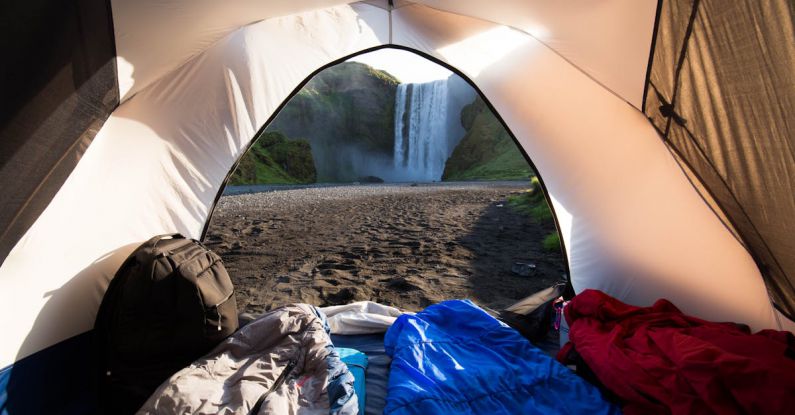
125 70
476 53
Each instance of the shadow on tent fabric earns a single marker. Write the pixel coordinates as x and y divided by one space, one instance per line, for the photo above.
57 94
61 378
500 236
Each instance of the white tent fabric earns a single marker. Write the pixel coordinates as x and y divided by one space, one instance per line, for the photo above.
197 90
178 30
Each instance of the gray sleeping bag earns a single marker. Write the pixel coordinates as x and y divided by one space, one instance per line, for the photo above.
281 363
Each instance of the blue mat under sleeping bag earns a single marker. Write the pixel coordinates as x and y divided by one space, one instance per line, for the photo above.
454 358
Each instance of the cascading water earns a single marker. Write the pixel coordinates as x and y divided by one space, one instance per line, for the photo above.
422 145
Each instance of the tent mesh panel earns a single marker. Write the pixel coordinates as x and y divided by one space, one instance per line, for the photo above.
59 85
721 90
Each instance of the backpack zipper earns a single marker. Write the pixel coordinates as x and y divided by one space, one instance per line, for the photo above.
218 311
276 384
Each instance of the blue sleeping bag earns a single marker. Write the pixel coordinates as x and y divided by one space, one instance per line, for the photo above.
454 358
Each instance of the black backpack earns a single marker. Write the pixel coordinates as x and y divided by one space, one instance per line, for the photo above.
170 303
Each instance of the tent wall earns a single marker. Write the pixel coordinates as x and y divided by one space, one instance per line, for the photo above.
58 80
632 224
721 93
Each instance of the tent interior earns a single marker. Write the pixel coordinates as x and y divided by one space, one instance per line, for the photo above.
660 129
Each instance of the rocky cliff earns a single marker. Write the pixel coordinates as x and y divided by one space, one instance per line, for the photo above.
347 114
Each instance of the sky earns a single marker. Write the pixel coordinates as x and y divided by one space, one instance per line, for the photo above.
406 66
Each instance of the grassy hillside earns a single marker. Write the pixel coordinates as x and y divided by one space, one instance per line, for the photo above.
487 151
273 159
532 202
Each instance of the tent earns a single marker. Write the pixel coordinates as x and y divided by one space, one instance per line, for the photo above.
660 129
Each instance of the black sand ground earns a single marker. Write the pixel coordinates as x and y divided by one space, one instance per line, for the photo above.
402 245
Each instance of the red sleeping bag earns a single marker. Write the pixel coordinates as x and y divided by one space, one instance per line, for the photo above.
659 361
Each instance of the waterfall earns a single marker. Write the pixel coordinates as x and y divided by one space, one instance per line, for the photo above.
422 142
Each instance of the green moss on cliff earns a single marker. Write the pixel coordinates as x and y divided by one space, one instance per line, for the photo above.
273 159
487 151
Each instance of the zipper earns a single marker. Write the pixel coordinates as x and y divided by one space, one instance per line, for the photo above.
218 312
276 384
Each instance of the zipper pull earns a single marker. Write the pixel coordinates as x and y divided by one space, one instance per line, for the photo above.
219 318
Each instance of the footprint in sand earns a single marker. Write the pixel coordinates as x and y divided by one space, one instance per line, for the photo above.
344 296
400 284
336 266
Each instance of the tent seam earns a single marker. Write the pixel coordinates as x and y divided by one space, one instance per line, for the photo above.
391 7
680 63
652 49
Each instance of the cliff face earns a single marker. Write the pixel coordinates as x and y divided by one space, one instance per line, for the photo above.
347 113
487 151
273 159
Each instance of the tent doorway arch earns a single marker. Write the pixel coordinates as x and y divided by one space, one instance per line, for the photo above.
336 62
257 268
